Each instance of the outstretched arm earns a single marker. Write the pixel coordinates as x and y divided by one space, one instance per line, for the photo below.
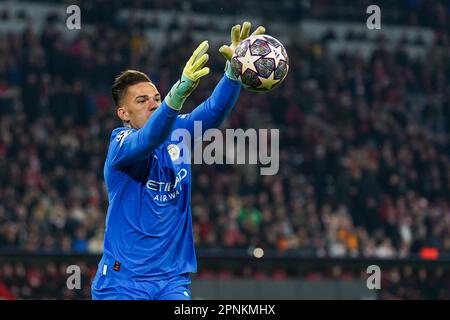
213 110
129 145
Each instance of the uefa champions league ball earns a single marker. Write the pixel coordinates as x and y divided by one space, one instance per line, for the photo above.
260 63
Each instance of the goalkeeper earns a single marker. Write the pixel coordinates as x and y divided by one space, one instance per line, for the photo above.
149 248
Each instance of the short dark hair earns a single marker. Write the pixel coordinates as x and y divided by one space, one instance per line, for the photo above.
124 80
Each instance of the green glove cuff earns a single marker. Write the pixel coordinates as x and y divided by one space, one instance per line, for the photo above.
229 73
179 92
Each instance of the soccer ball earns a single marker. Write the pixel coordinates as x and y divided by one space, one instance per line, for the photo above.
260 63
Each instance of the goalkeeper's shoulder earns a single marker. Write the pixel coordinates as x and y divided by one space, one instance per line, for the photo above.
120 133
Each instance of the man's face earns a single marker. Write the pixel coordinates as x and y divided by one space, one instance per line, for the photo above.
138 104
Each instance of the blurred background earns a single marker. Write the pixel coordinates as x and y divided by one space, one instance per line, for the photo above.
364 119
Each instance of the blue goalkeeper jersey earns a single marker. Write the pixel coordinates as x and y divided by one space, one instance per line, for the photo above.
149 232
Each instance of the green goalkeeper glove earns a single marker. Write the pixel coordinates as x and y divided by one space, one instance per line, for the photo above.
190 78
237 36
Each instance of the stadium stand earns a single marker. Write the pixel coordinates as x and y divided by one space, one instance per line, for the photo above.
364 137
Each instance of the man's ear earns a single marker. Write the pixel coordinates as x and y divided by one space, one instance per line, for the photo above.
123 114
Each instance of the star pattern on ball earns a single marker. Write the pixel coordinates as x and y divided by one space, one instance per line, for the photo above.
268 82
276 54
248 61
260 63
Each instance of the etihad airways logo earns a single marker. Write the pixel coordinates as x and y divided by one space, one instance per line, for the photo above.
167 190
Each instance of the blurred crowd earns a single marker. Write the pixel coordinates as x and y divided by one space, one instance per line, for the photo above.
424 13
49 280
364 147
45 281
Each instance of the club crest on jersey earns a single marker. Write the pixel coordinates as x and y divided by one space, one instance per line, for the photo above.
174 151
